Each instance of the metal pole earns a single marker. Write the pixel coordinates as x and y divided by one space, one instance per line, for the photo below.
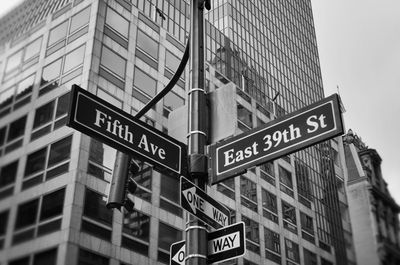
196 233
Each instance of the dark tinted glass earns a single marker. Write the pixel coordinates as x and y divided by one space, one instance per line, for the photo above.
8 173
52 204
43 115
17 129
48 257
27 213
35 162
60 151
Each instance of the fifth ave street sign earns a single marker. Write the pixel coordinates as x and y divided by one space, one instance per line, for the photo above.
223 244
99 119
204 207
298 130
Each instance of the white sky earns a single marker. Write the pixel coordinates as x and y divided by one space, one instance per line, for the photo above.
359 48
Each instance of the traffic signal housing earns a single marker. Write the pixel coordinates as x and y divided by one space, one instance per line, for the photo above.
122 183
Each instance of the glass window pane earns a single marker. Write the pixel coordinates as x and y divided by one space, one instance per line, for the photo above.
170 188
292 250
113 62
248 189
102 154
80 19
272 240
173 101
138 225
147 44
33 49
144 82
3 222
252 229
20 261
48 257
167 235
17 129
43 115
285 177
95 207
74 58
172 62
3 135
117 22
244 115
60 151
35 162
269 201
51 71
6 97
62 105
26 214
25 86
8 174
90 258
52 204
13 61
57 33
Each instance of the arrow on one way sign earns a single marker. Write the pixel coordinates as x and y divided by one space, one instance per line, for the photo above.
198 203
177 253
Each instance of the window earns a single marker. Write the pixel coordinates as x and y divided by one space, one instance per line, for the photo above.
172 63
113 62
67 67
244 117
16 96
170 194
303 183
145 87
248 193
8 174
117 23
72 28
252 234
310 258
289 217
39 216
272 245
50 116
90 258
144 179
307 227
147 45
286 184
101 160
267 172
326 262
32 50
136 229
292 250
227 187
3 227
47 163
12 64
172 101
270 208
167 235
11 136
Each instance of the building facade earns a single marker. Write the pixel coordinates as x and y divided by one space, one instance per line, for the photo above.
53 179
374 213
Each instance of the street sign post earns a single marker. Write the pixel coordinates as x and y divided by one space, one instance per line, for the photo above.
303 128
177 253
223 244
197 202
99 119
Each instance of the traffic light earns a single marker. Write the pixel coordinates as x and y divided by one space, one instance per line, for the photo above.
207 4
122 183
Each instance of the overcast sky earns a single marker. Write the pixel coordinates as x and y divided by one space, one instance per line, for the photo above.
359 48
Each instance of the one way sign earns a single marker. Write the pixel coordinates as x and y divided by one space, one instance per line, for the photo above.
223 244
198 203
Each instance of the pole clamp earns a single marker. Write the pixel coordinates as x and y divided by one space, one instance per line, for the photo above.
196 227
192 256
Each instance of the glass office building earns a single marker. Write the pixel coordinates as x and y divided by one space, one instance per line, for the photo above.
53 179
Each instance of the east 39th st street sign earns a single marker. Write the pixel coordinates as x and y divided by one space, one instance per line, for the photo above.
99 119
313 124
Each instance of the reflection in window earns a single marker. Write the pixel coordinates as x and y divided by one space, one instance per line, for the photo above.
292 250
90 258
136 227
167 235
144 179
79 20
252 234
13 62
48 207
285 177
74 58
269 203
8 174
245 117
58 33
117 22
227 187
17 129
101 160
144 83
32 49
289 217
172 101
172 62
36 170
248 191
3 227
51 72
95 208
272 245
147 44
113 62
170 195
